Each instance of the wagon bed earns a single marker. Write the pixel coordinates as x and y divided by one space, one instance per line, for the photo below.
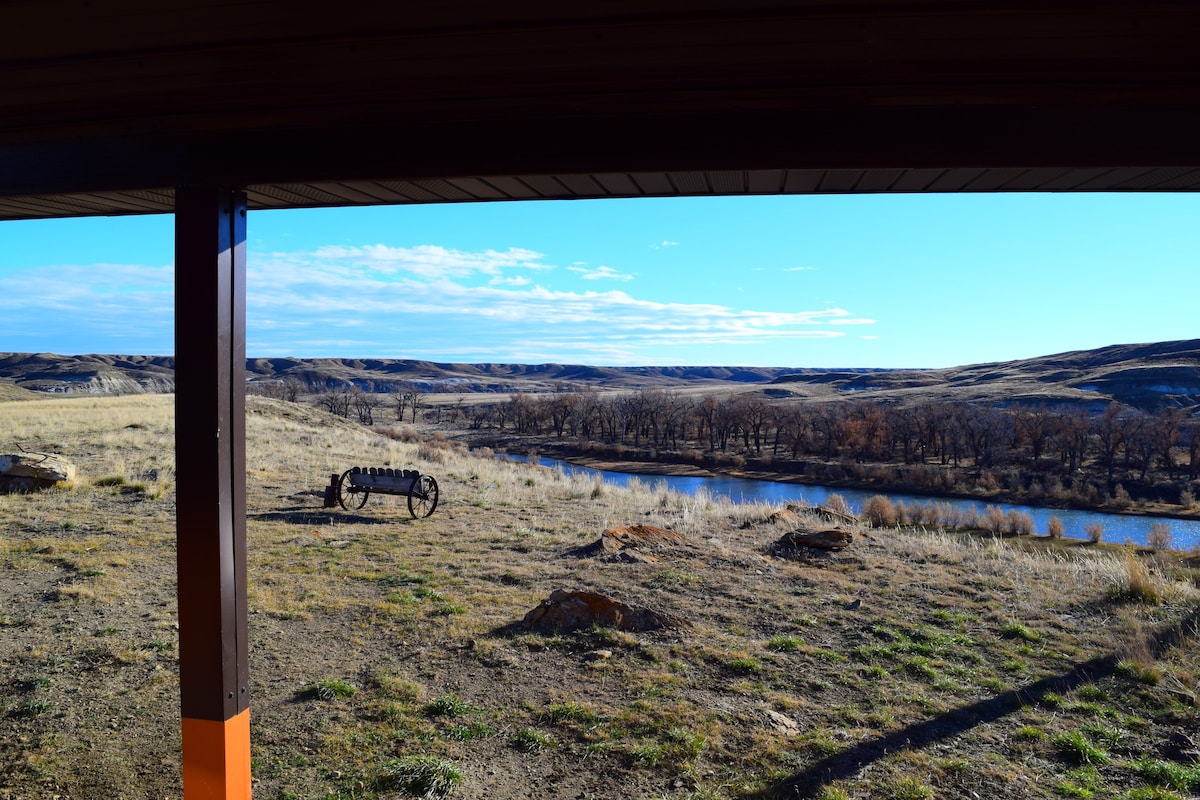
356 484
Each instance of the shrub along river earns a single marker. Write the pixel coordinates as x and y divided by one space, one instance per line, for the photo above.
1119 528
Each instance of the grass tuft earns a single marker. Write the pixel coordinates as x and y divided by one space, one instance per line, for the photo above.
425 777
327 689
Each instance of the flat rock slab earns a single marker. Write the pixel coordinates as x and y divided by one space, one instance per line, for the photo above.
635 543
23 472
636 537
828 539
572 611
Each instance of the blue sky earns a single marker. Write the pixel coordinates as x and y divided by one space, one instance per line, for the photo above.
803 281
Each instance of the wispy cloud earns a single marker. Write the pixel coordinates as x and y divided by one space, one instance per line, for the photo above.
513 280
428 302
302 301
798 269
663 243
600 274
429 261
95 308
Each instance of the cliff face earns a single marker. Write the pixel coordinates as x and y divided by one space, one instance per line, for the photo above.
89 374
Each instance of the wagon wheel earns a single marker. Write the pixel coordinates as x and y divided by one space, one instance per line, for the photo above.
351 497
423 497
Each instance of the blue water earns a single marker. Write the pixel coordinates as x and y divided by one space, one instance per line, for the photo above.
1117 527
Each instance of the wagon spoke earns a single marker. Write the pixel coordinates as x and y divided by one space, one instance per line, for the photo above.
423 497
351 497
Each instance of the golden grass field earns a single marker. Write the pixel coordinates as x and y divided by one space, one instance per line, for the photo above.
387 658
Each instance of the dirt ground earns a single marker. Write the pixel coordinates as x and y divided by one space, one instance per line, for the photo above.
909 665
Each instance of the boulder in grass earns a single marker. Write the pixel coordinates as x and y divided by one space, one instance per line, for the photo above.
572 611
24 472
636 542
827 539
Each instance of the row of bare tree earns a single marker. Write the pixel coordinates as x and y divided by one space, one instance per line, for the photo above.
350 401
949 433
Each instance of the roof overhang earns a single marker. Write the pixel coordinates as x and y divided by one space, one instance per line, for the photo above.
106 108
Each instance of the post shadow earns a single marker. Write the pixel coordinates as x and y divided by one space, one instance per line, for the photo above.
840 766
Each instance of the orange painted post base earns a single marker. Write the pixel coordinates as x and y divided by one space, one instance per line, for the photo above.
216 758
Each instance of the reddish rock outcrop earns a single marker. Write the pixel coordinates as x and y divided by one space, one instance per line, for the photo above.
570 611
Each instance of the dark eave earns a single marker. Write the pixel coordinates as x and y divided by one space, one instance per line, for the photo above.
106 107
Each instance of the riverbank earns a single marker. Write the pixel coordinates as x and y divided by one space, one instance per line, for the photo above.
669 464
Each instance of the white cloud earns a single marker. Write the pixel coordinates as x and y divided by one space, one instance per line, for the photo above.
451 319
600 273
429 302
515 280
798 269
430 261
95 308
664 243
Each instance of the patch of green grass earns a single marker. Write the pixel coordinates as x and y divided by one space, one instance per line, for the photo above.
471 731
531 740
34 708
446 705
1169 774
1151 793
1147 674
907 788
1065 788
109 480
571 712
1076 748
747 665
427 777
1052 700
327 689
1015 630
921 667
833 793
785 643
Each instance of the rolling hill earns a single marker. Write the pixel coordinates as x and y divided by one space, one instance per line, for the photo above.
1146 376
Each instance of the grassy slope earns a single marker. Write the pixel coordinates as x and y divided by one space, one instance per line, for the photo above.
9 391
912 665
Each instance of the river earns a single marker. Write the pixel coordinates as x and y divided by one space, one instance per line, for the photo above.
1118 528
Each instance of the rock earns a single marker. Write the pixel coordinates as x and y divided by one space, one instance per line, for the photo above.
782 723
828 539
634 536
634 544
572 611
23 472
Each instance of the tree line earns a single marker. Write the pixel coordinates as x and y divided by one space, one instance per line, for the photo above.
1118 443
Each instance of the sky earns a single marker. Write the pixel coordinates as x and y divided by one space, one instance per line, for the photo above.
845 281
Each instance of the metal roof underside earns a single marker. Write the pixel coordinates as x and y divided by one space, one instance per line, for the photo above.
624 185
105 108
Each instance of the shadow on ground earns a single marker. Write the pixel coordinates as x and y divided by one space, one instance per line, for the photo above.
808 782
309 516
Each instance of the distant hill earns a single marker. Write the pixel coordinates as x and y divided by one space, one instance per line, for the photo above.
1144 375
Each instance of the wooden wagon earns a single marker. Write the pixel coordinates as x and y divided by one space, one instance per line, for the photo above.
356 484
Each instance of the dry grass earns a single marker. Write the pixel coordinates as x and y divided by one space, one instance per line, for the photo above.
912 664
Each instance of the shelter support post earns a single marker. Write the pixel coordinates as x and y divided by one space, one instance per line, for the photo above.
210 458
